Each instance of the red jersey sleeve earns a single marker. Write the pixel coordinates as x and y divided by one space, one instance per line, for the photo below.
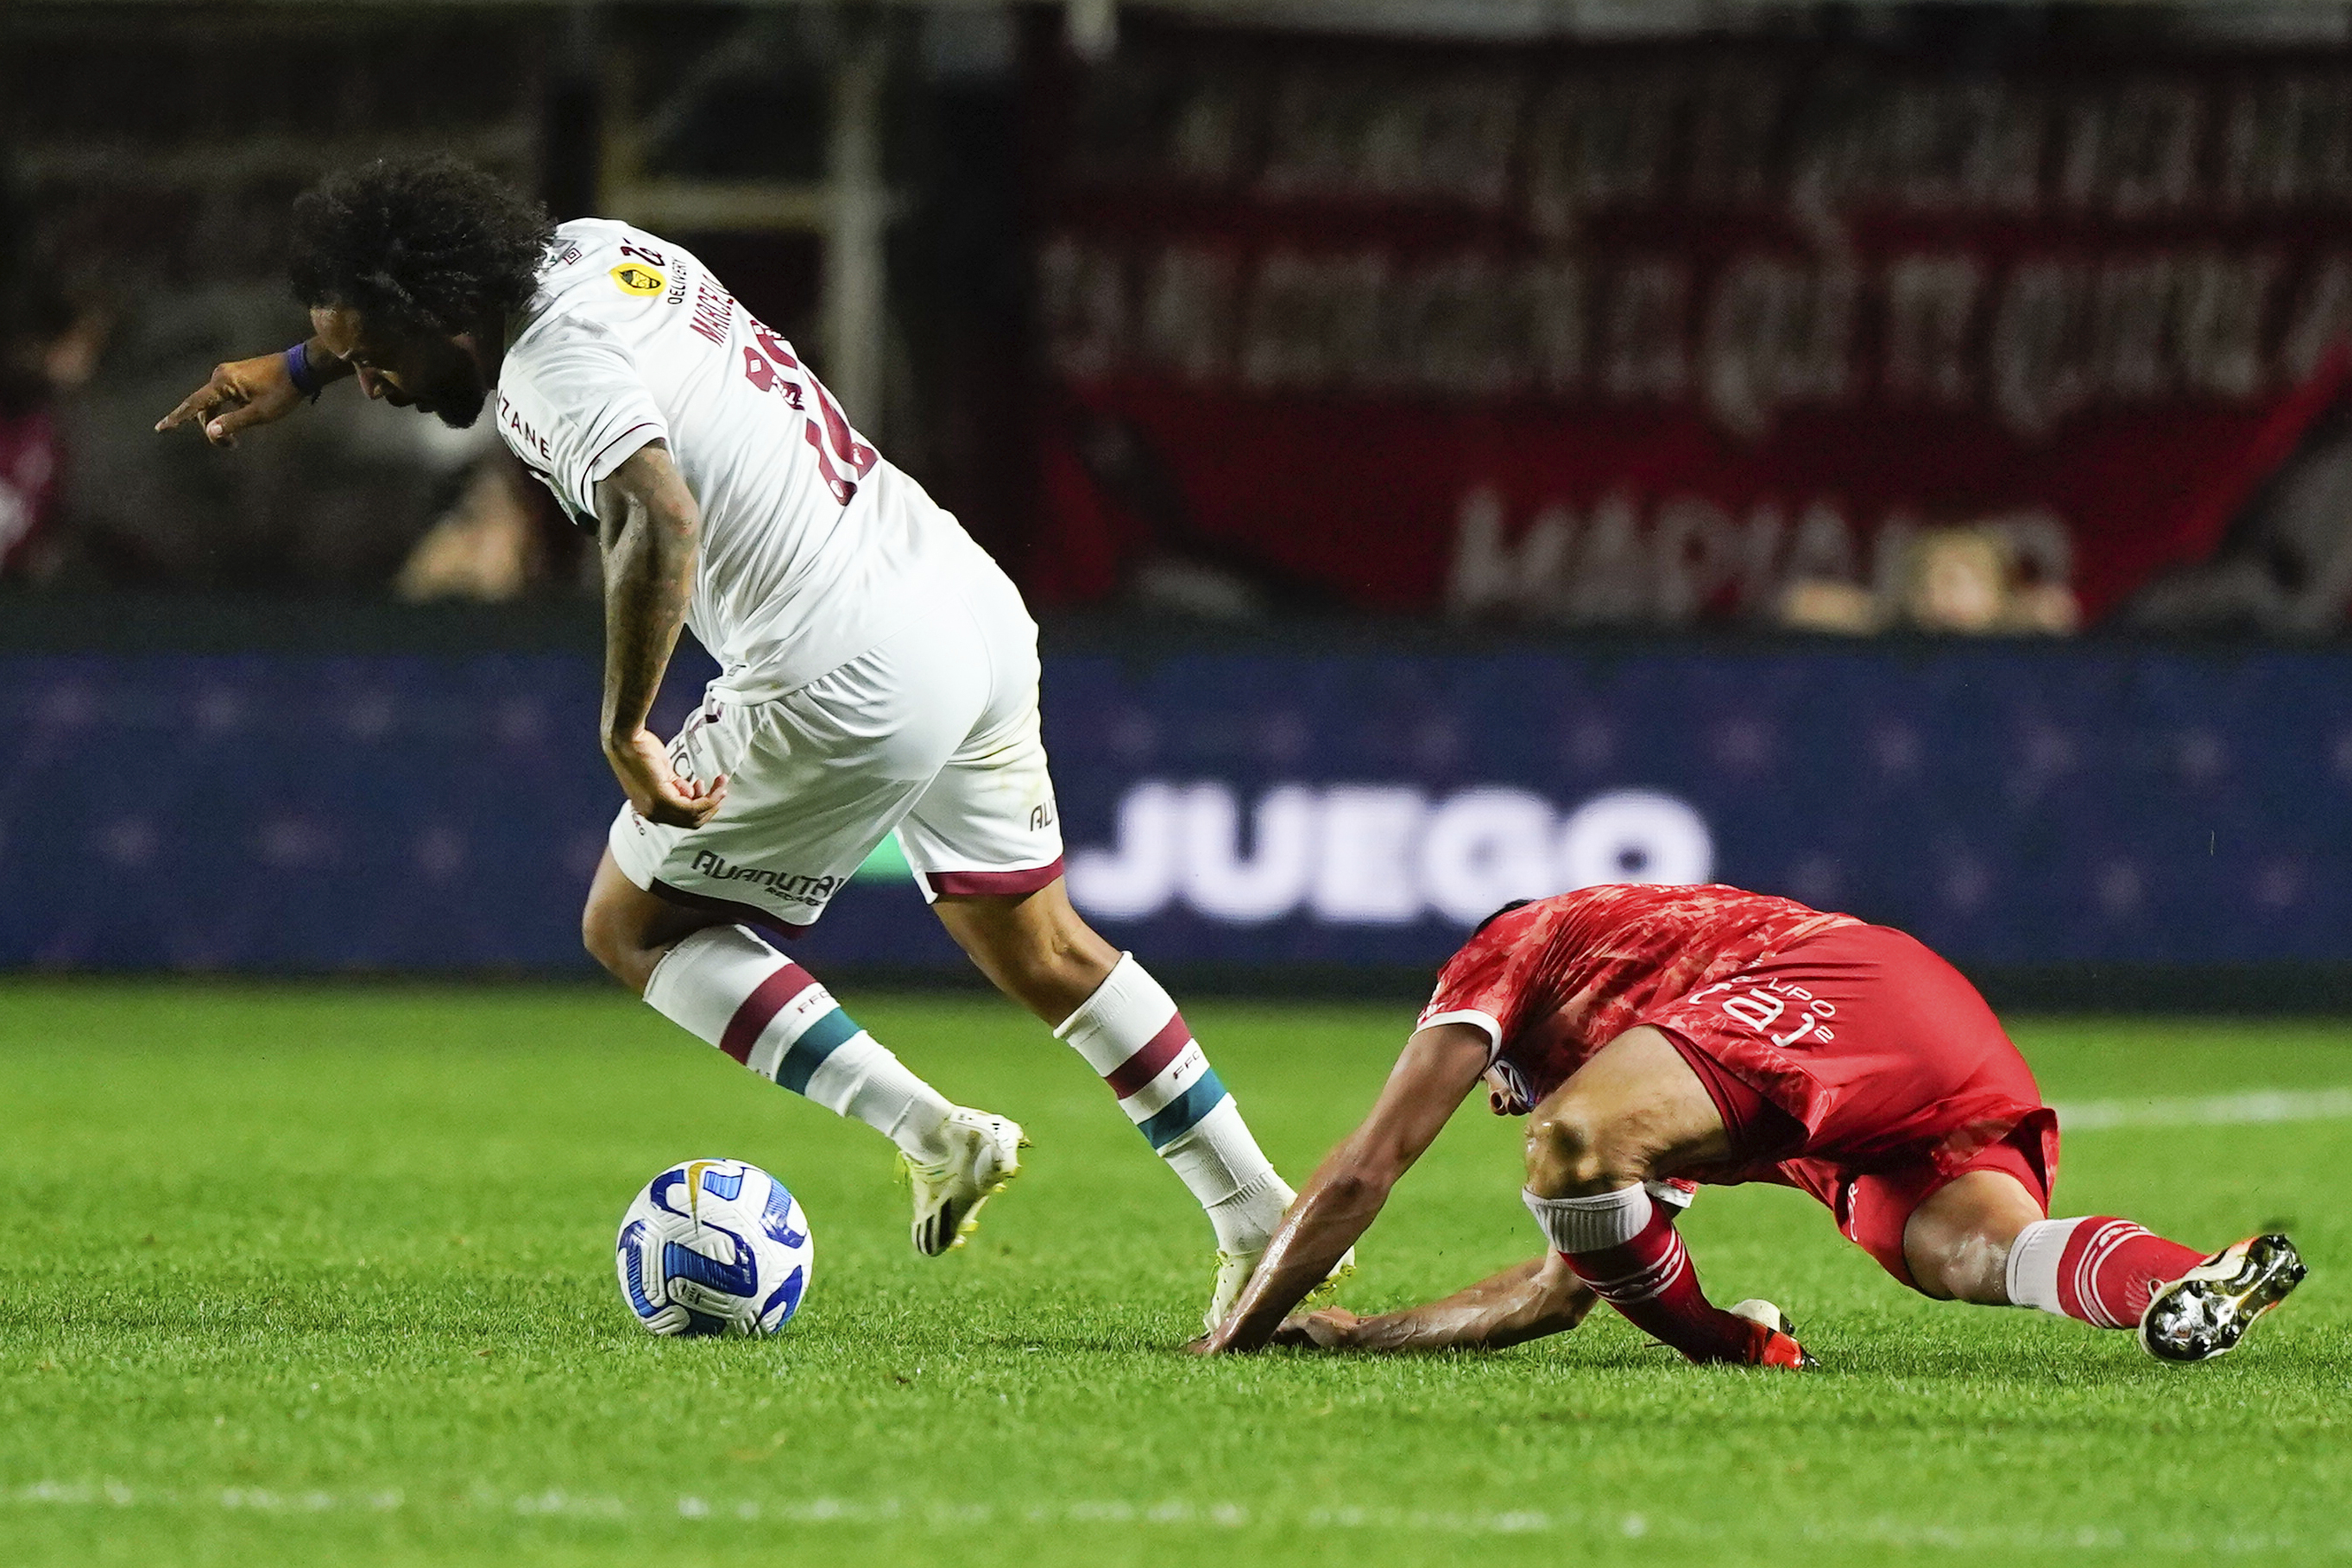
1490 984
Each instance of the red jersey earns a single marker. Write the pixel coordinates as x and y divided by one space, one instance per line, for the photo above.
1898 1075
1552 983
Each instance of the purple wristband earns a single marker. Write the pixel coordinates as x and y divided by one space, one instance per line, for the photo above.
298 367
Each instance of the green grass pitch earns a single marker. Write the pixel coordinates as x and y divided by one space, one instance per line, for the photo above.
315 1276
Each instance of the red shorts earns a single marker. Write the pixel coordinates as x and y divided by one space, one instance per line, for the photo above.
1861 1067
1872 1207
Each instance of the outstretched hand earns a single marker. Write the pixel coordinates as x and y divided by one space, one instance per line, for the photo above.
659 795
1333 1328
240 395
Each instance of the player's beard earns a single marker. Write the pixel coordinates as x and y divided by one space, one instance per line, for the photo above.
458 403
459 406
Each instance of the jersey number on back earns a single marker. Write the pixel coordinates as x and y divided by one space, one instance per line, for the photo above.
770 367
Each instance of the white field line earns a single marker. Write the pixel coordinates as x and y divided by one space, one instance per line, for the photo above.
2218 1110
1177 1513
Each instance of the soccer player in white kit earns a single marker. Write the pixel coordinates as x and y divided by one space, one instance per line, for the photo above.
878 671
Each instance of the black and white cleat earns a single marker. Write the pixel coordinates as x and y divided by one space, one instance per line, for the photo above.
983 1153
2205 1311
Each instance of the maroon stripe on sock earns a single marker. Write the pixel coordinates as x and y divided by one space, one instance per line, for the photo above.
760 1009
741 914
1148 1063
967 883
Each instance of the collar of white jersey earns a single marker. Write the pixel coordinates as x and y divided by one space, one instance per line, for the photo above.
519 326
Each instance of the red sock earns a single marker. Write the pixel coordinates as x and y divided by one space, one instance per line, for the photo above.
2111 1267
1651 1281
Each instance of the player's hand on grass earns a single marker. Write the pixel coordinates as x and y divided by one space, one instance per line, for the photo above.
659 795
240 395
1332 1328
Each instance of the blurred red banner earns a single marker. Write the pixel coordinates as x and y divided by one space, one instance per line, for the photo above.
1645 334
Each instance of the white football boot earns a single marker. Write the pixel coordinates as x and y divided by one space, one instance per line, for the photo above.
1234 1271
2205 1311
983 1153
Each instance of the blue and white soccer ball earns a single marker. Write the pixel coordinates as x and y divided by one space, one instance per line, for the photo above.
715 1247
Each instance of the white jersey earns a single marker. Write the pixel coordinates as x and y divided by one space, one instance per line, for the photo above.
814 548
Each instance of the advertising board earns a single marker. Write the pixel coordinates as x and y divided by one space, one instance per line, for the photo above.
2013 805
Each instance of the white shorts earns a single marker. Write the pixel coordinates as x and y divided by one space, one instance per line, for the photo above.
932 733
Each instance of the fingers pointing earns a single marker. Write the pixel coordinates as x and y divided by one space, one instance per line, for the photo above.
222 431
203 399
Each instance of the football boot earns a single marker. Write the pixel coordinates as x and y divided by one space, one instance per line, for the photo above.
2205 1311
1234 1271
1774 1337
983 1153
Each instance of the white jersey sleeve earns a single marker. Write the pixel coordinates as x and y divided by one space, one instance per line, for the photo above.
575 408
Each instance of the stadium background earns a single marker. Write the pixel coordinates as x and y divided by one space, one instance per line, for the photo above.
1892 456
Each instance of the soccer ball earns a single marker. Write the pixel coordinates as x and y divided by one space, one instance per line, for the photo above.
715 1247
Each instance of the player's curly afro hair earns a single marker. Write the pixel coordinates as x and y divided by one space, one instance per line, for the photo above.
429 241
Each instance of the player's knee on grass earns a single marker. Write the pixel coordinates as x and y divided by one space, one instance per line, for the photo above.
1634 1110
1957 1243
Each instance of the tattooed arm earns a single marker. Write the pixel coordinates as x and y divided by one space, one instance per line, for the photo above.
651 533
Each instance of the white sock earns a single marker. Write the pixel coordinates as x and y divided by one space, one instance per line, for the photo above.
726 987
1246 1216
1574 1225
1130 1032
2033 1271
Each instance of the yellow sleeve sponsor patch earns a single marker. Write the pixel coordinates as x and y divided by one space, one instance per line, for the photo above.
635 279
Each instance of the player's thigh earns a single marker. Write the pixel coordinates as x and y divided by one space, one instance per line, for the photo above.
1874 1044
987 823
1917 1045
986 849
984 839
1634 1110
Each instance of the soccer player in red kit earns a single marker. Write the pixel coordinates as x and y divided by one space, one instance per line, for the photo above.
1657 1037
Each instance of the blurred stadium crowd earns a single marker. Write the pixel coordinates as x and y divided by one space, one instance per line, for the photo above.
144 207
2001 319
